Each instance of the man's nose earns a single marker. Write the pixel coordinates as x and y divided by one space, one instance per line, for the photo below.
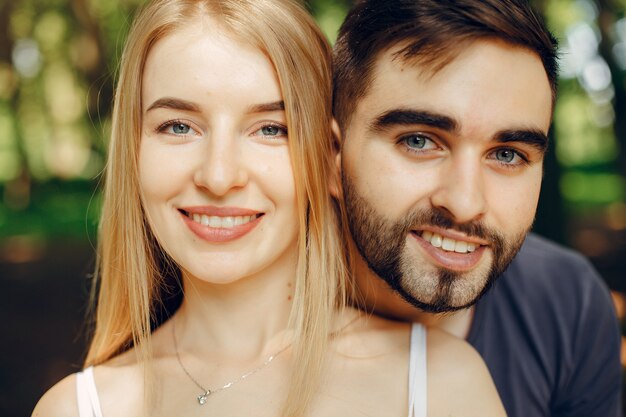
461 189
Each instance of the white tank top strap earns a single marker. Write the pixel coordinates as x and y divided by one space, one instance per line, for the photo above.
417 372
88 401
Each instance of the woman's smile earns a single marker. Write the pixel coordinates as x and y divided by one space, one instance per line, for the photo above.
220 224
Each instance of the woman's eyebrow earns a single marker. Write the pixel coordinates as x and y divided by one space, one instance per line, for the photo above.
174 104
267 107
179 104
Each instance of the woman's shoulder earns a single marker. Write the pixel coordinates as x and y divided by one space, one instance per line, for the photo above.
116 376
60 400
455 366
447 351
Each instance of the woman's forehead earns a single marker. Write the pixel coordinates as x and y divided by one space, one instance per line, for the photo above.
206 62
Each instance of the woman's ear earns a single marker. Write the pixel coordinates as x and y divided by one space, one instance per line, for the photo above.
335 177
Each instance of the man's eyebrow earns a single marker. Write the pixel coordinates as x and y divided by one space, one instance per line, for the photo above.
533 137
267 107
407 117
174 104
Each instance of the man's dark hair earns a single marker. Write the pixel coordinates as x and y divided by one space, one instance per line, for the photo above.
431 32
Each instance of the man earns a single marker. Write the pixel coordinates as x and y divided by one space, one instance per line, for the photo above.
444 109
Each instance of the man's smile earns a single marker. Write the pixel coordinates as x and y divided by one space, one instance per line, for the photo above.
451 254
448 244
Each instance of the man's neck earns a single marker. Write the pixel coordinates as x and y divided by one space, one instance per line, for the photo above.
375 295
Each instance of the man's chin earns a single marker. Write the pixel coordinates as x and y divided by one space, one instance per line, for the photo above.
453 291
439 307
436 307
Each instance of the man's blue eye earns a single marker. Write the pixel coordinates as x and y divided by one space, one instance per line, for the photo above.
416 141
180 128
505 155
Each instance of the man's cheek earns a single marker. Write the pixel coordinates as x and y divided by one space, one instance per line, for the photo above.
506 213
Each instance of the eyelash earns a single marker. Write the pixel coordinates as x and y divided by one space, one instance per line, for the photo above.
524 160
274 125
402 140
164 126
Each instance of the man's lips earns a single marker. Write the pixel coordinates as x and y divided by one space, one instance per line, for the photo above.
450 240
450 249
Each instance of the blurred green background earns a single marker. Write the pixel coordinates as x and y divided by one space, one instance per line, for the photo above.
58 61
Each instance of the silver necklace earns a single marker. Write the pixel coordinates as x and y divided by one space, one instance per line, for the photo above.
204 396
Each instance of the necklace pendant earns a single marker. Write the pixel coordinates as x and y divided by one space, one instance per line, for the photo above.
202 399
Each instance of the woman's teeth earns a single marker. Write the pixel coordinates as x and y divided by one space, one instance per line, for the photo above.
221 222
447 244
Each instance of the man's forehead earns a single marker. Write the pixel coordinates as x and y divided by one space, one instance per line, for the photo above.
393 62
428 61
500 78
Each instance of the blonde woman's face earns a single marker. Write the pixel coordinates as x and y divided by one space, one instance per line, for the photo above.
216 177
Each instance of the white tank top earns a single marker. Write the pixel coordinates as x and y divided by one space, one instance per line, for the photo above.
89 403
87 395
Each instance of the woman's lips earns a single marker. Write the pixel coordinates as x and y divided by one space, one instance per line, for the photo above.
221 224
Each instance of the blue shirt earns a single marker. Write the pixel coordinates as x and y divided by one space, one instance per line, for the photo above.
550 337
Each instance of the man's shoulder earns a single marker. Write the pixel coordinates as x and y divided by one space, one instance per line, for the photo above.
548 286
540 251
542 263
532 328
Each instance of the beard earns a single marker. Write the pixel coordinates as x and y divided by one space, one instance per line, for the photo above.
382 243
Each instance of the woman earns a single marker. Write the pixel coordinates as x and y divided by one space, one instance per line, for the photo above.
218 185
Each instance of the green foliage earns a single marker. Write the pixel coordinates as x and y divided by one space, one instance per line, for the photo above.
329 15
58 60
60 209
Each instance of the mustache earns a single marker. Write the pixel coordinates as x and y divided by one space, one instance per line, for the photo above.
439 218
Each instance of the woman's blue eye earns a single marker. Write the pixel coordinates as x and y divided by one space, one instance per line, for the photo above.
176 128
272 131
180 128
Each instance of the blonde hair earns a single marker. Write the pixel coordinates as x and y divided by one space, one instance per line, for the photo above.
133 272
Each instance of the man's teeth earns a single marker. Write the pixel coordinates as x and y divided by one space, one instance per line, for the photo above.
221 222
447 244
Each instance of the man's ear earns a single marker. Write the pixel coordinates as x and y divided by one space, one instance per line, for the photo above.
335 176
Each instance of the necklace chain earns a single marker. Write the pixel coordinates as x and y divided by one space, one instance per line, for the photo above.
204 396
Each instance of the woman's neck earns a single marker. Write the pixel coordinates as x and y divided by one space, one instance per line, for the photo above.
247 318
